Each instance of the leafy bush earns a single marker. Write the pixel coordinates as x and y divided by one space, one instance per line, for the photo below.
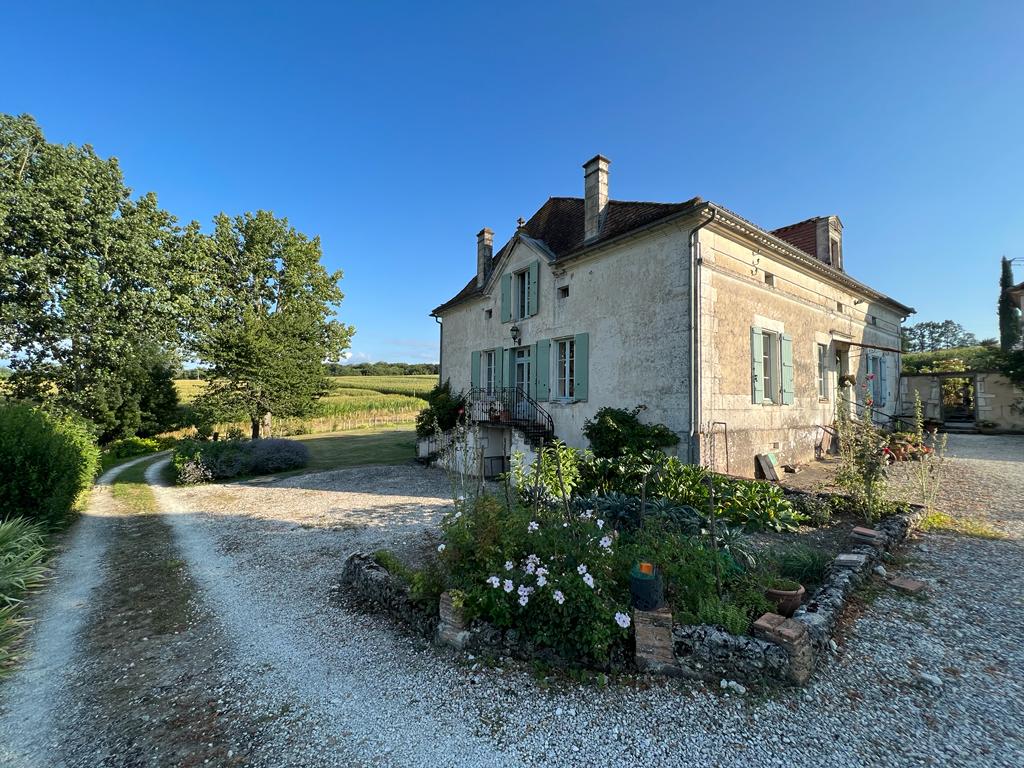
46 464
614 431
130 447
276 455
815 510
442 412
22 555
801 563
199 461
731 618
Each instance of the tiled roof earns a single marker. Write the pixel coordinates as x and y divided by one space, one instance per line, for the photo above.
803 235
559 225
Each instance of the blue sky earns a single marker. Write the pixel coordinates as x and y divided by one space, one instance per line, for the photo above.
397 131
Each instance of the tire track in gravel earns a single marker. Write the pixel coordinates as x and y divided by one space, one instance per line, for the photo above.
30 697
338 705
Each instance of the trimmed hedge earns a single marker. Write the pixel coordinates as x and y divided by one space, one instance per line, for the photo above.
46 464
199 461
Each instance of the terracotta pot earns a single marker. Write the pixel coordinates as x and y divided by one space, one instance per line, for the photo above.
786 601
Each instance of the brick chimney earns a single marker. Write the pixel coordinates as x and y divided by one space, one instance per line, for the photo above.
484 254
595 194
821 237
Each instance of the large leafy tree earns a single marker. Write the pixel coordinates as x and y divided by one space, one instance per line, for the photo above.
929 336
1009 323
265 323
88 275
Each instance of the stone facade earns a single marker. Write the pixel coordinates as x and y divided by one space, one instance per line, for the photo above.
670 313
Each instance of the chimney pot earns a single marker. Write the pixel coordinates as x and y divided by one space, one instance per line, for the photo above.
595 195
484 254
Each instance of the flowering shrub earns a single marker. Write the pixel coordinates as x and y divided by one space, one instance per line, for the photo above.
562 578
547 574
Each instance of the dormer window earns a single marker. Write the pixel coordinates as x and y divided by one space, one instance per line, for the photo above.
835 257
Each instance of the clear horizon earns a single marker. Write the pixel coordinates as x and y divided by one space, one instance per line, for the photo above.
395 132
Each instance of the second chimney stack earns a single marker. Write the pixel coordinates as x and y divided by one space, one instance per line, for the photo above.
595 193
484 254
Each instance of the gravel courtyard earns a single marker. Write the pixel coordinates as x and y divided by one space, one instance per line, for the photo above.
211 634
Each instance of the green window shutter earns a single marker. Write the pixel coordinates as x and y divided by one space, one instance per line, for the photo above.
581 380
506 367
787 369
506 298
756 353
499 357
474 370
542 356
883 376
534 284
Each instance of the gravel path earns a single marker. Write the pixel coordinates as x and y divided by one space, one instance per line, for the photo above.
914 682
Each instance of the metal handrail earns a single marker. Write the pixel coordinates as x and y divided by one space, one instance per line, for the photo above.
509 405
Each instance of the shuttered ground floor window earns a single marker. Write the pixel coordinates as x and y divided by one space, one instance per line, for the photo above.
771 367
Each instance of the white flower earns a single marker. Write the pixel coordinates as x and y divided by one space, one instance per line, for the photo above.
541 579
606 542
509 565
600 523
559 597
457 515
565 525
542 571
523 600
530 567
508 586
622 620
462 498
588 580
440 547
524 590
587 514
581 569
494 581
533 526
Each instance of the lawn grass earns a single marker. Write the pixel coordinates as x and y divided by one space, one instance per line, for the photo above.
131 489
357 447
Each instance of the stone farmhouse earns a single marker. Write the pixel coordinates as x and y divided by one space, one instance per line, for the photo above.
712 323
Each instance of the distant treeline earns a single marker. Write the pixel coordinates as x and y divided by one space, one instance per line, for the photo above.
356 369
383 369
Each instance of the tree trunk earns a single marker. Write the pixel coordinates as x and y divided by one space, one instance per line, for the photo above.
255 428
265 427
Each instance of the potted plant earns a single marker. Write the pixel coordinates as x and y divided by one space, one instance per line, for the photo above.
786 595
646 587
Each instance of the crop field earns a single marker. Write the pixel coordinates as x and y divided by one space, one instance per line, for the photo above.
353 403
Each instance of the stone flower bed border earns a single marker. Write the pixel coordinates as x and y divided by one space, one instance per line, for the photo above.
780 649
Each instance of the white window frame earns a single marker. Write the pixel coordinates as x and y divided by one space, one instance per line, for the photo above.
822 351
489 370
521 288
565 369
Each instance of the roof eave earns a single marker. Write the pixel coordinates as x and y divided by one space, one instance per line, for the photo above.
778 244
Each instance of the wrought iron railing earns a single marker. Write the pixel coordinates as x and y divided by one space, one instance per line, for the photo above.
510 406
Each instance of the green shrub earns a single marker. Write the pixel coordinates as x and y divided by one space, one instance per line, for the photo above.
200 461
442 412
732 618
614 431
46 464
801 563
128 448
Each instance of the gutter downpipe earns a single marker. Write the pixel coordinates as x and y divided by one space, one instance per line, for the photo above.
440 348
695 298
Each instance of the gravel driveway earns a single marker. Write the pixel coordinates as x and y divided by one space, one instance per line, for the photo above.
305 682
